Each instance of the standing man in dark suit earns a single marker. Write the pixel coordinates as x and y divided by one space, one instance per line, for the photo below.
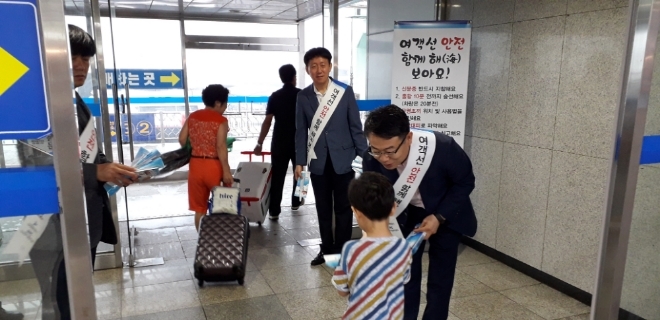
281 106
47 257
433 179
328 138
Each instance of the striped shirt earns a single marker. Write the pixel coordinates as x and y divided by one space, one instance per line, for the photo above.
373 272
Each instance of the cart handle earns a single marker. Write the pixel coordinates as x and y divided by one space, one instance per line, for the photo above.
263 155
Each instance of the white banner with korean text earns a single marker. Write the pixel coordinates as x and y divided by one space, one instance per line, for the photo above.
430 70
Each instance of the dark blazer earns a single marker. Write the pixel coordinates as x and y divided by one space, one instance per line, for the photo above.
342 136
99 217
446 187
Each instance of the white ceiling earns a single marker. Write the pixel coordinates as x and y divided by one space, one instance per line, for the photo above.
245 10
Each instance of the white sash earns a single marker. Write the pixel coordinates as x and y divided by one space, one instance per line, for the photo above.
33 226
419 160
326 108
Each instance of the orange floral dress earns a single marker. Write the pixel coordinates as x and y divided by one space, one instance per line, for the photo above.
205 168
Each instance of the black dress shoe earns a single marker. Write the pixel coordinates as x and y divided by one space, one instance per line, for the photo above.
318 260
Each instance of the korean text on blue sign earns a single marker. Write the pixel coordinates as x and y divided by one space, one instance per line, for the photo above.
145 79
23 103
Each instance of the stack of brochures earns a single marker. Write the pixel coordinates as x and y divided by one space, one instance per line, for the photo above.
147 165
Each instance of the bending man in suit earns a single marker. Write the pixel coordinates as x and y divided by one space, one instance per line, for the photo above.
432 179
328 138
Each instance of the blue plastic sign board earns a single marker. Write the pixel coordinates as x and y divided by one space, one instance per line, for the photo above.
23 99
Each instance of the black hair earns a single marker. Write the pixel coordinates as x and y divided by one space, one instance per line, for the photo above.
213 93
82 44
372 194
287 73
315 53
387 122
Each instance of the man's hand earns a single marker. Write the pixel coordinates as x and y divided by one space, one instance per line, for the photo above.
298 173
116 173
257 150
430 225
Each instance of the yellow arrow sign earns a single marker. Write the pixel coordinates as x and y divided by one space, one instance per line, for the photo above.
11 70
173 79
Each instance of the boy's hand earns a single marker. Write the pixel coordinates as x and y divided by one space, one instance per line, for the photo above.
430 225
342 293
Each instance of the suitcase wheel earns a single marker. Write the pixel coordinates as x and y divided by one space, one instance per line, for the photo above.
259 223
241 281
200 283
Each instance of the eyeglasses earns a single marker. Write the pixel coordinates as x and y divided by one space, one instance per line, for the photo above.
389 154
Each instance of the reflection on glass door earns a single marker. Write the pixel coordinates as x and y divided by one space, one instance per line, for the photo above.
641 285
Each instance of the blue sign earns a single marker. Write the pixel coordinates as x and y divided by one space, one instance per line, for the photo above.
144 129
23 103
146 79
28 191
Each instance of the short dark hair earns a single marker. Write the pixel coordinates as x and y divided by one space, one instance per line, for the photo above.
387 122
317 52
82 44
287 73
372 193
213 93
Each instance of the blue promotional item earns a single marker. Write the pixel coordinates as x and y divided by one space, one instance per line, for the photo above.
415 239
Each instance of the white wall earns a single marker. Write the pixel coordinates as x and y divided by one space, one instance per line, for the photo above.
382 14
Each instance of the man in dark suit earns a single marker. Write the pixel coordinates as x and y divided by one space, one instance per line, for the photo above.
47 257
282 107
328 138
440 203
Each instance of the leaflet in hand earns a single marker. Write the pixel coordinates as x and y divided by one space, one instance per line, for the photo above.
302 185
332 260
147 165
357 165
415 239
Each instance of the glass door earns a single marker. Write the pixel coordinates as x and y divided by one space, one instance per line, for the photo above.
88 17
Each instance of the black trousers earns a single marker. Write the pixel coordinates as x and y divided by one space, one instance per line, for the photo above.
331 192
281 160
443 252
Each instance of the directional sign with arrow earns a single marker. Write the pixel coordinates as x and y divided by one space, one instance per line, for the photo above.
171 79
146 79
23 102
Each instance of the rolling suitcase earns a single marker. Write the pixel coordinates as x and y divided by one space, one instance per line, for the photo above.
222 248
255 180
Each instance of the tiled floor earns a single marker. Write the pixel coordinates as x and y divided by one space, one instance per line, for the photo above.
280 283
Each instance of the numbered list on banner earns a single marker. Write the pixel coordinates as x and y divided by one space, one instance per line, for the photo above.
430 72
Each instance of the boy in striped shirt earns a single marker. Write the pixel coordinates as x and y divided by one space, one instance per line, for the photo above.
373 270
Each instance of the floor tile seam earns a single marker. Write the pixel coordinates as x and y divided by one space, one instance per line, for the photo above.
512 288
293 291
160 284
125 245
541 284
280 266
475 264
477 280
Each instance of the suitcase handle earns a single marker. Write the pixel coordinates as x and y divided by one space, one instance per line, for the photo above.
263 155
